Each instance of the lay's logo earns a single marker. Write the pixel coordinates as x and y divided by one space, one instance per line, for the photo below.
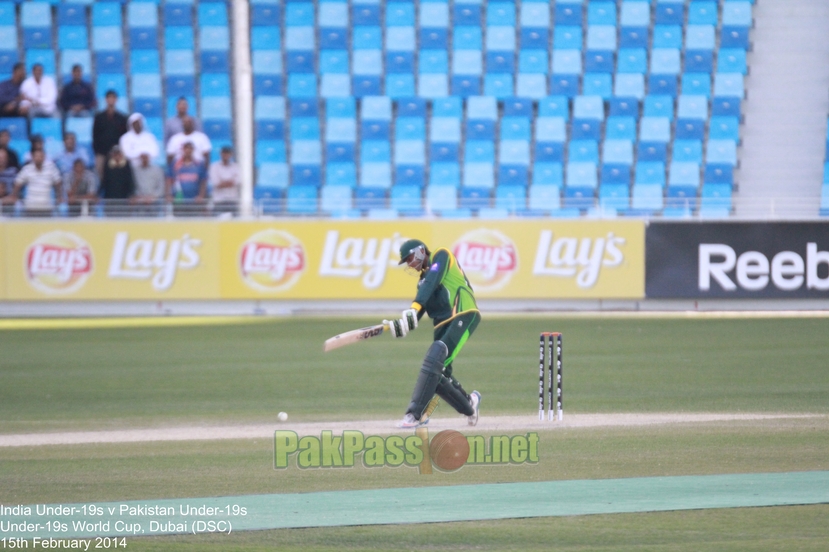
58 263
488 257
271 260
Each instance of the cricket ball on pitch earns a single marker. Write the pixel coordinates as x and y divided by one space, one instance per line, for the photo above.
283 416
449 450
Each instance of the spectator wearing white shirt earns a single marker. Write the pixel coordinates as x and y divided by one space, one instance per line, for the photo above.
201 144
224 179
41 178
137 140
41 92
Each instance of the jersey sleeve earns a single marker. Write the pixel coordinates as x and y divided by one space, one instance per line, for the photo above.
434 276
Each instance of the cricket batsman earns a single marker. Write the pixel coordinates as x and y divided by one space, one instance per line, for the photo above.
444 293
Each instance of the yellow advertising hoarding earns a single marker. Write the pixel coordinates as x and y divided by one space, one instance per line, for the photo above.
111 260
316 259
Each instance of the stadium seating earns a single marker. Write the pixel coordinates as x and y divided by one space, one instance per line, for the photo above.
514 104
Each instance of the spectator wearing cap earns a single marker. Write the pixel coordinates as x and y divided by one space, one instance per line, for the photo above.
81 186
201 143
5 138
107 129
187 183
41 91
12 102
118 183
175 124
42 181
225 182
71 153
149 186
138 140
77 98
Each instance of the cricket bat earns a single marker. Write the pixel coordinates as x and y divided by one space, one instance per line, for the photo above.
354 336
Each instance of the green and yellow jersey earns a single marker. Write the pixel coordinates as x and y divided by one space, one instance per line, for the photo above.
443 290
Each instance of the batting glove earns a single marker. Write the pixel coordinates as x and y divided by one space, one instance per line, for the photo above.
397 328
410 318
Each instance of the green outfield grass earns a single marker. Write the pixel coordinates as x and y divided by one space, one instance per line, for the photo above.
246 372
140 377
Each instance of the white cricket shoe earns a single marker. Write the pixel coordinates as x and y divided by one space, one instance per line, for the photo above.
409 422
475 400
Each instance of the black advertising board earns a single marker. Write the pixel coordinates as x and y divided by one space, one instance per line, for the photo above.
737 260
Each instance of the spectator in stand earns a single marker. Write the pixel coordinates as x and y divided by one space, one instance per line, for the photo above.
117 184
12 101
175 124
5 138
187 183
225 183
37 143
81 186
77 99
108 127
149 186
71 153
7 174
42 181
41 91
137 140
201 143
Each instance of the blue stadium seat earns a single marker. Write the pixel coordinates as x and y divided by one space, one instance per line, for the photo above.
734 37
301 200
214 38
632 60
149 107
113 62
615 173
721 151
218 108
715 200
147 85
653 151
581 174
544 198
614 196
726 106
68 14
212 13
566 37
650 172
82 127
548 174
618 151
598 84
719 173
624 107
441 198
568 14
536 38
272 175
662 85
683 174
703 13
670 13
142 14
736 13
36 37
141 37
633 37
699 61
107 38
7 60
700 37
579 197
724 128
176 14
667 36
620 128
688 151
601 37
732 60
73 37
680 197
265 14
471 197
647 197
106 14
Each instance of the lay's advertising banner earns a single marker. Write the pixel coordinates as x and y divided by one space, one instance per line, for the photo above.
314 259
